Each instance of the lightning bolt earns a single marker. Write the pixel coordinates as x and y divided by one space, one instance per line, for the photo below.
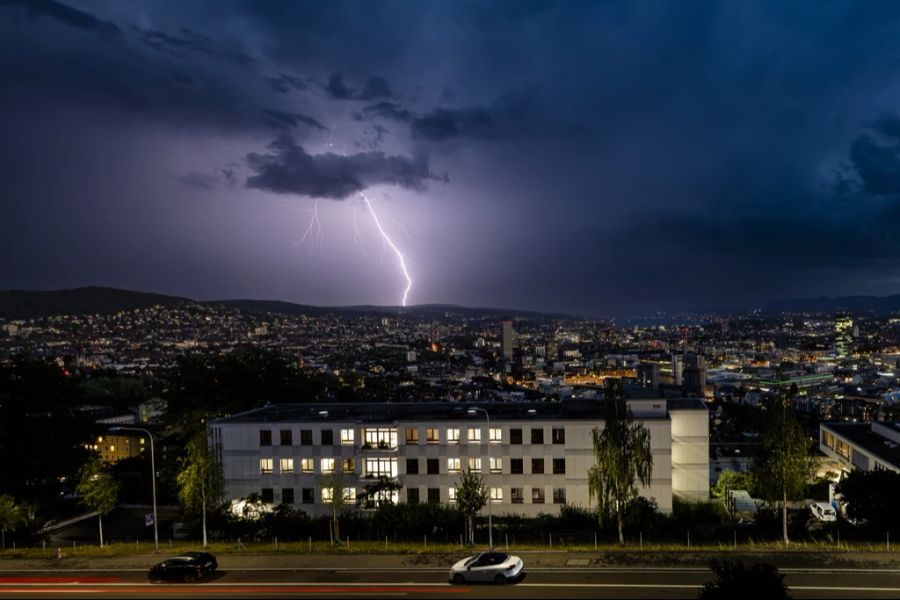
390 243
314 230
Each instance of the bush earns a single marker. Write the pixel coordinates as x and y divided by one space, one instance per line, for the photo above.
734 582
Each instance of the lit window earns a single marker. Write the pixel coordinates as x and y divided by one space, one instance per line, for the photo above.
474 435
347 437
327 465
307 465
453 436
266 465
380 437
287 466
349 495
432 436
452 496
453 465
496 465
475 465
496 495
327 495
496 435
381 467
349 465
386 497
412 436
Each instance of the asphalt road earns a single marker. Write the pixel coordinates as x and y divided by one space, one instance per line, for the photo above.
430 582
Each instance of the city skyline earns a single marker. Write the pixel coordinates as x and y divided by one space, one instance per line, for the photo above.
564 157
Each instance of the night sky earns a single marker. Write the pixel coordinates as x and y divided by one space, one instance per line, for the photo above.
590 157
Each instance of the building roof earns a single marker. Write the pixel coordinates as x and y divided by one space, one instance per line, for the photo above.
574 409
861 435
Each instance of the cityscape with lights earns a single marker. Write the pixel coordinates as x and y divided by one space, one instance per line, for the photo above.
475 298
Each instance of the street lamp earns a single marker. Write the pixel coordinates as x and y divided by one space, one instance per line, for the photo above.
472 411
153 468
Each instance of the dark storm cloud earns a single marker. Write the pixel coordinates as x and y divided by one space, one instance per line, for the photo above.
289 169
387 110
280 118
875 156
184 42
66 14
376 87
285 83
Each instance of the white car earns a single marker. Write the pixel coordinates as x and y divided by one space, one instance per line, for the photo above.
823 512
496 567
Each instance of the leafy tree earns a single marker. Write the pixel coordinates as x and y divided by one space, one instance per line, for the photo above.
98 489
378 492
785 464
873 496
734 581
200 479
471 497
623 456
12 515
331 485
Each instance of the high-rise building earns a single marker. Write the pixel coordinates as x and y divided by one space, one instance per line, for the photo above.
648 375
677 368
693 376
843 336
508 339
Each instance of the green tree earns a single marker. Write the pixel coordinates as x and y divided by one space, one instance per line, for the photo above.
471 497
331 486
734 580
733 480
199 479
872 497
784 465
98 489
622 454
12 515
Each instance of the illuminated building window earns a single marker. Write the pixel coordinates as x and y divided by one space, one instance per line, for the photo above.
347 437
475 465
452 495
327 465
287 466
496 465
266 465
327 495
475 435
453 465
349 495
432 436
307 465
412 436
496 435
380 437
381 467
496 495
453 435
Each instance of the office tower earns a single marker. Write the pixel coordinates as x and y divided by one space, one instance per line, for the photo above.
648 375
843 336
694 375
677 368
508 339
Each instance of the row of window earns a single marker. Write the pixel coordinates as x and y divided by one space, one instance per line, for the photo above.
387 466
517 495
387 437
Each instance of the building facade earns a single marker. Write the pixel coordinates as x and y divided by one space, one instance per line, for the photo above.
864 446
531 455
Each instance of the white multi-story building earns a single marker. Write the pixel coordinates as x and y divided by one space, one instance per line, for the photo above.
531 455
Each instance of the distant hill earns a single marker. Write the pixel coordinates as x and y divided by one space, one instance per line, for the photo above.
873 304
27 304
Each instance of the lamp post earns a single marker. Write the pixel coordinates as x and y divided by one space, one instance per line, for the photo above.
472 411
153 468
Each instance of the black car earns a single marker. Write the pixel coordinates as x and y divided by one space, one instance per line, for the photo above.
186 567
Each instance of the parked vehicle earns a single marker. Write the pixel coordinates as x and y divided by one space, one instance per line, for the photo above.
187 567
496 567
822 511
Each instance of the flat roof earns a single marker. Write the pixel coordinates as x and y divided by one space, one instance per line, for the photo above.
861 434
372 412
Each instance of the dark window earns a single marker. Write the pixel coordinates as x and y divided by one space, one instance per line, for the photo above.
268 495
328 437
537 495
559 466
537 436
434 495
433 467
559 435
412 466
412 495
515 436
559 495
537 465
265 437
287 495
306 437
287 437
309 496
516 466
517 496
